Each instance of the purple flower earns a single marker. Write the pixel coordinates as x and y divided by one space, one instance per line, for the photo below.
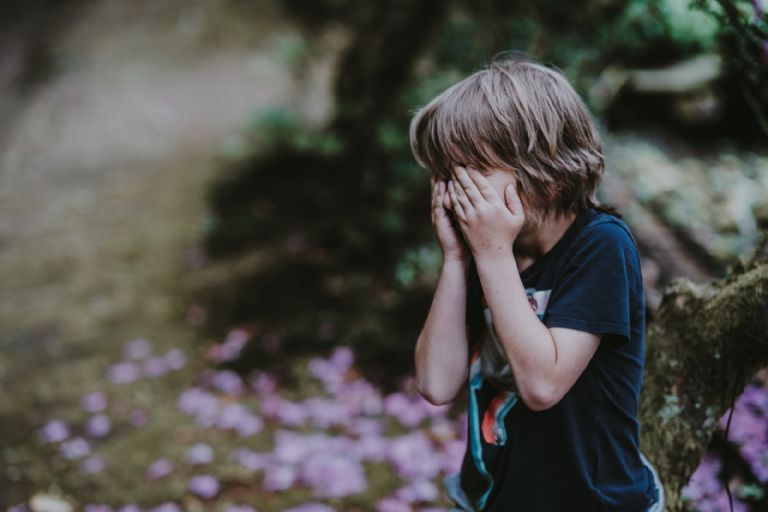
228 382
155 366
93 402
123 372
333 475
54 431
365 426
418 490
326 413
263 383
231 347
21 507
372 447
237 417
101 507
98 426
129 508
285 411
199 453
409 412
279 477
91 465
452 454
137 417
137 349
413 456
200 404
250 459
311 507
205 486
175 359
158 469
392 505
75 448
166 507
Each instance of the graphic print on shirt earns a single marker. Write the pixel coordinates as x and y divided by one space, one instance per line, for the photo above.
491 427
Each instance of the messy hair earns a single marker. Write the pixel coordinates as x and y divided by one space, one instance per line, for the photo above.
521 117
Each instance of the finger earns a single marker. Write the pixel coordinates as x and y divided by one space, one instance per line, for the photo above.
446 198
457 206
462 195
512 199
468 186
481 182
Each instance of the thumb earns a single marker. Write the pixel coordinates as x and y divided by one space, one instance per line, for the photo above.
512 199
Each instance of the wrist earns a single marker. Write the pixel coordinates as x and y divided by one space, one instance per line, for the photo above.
452 263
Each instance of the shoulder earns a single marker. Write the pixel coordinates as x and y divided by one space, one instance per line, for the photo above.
606 232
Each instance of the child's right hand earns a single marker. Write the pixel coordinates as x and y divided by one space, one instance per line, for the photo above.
452 244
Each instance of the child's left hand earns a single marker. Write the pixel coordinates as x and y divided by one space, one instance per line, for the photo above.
489 223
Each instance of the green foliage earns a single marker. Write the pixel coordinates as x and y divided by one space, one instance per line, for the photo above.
280 127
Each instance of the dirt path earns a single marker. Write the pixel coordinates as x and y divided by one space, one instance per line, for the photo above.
102 183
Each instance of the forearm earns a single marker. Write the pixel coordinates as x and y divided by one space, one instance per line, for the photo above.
530 348
441 349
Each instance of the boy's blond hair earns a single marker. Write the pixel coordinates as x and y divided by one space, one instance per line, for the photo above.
521 117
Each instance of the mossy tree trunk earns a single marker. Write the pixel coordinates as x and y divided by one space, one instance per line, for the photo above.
704 345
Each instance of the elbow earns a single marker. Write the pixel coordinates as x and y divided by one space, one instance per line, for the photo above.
540 398
434 396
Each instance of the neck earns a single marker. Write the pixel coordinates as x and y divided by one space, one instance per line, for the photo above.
537 241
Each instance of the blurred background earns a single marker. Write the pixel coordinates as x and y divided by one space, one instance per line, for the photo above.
216 251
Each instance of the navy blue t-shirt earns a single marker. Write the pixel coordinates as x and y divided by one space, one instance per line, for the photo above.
582 454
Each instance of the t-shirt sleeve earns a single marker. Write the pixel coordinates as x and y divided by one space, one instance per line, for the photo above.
596 291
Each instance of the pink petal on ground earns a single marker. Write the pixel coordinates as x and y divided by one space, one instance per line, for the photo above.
94 402
158 469
137 349
199 454
75 448
54 431
129 508
123 372
98 426
205 486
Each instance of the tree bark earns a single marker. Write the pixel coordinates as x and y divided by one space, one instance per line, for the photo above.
704 345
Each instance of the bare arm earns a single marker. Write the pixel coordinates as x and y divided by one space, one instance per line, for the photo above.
441 350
